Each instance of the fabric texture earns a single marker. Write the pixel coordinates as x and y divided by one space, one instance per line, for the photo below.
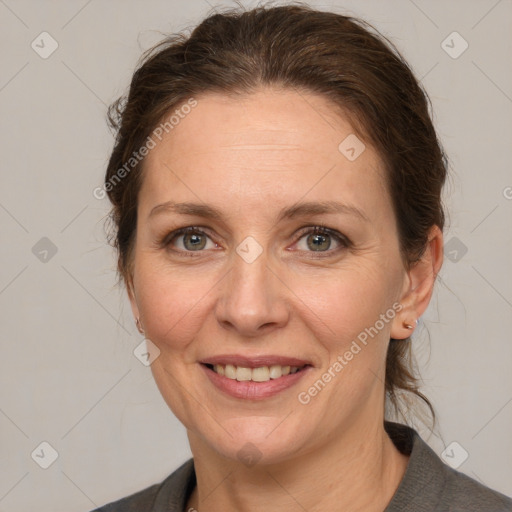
428 485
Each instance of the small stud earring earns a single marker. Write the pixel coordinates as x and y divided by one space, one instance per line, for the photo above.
409 326
139 325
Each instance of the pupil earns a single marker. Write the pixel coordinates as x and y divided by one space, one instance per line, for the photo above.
194 240
318 240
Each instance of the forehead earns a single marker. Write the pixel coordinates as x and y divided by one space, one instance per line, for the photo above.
271 145
268 120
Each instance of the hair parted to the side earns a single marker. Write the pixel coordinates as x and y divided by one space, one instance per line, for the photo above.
294 46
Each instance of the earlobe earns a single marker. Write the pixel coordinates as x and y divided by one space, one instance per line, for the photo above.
135 310
138 324
420 285
403 326
409 326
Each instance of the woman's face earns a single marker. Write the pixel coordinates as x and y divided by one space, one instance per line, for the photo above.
254 289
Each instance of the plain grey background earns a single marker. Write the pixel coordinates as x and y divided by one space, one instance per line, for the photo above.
68 375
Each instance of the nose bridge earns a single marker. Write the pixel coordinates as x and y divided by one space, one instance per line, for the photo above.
251 298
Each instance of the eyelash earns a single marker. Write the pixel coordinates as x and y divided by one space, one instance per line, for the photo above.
318 229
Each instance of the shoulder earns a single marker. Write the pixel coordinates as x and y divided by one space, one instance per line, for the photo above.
141 501
465 494
169 495
430 485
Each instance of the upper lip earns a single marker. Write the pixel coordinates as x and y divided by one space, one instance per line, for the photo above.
254 361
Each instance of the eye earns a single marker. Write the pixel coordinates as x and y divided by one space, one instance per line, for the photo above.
189 239
317 239
320 239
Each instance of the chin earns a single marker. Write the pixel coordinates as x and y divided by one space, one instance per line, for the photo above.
262 440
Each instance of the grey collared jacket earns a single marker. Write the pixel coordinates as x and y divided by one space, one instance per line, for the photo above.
428 485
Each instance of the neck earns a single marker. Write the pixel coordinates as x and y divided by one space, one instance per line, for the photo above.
359 470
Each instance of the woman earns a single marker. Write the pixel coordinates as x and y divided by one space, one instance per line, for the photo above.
276 188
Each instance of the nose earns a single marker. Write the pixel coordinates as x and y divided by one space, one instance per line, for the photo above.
252 299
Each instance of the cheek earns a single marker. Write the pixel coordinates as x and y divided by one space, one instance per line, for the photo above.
171 303
347 302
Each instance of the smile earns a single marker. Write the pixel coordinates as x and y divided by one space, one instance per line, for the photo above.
260 374
255 378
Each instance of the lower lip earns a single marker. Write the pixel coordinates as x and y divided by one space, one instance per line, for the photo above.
251 390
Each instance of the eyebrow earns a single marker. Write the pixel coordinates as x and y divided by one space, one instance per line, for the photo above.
297 210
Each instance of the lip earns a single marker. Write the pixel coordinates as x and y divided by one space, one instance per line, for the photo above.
250 390
256 361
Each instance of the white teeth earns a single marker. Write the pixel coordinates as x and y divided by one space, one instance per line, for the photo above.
243 373
277 371
260 374
229 371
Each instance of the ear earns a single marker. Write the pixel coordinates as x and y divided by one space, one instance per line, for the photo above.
419 285
130 289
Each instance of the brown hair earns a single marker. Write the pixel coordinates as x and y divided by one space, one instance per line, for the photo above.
295 46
